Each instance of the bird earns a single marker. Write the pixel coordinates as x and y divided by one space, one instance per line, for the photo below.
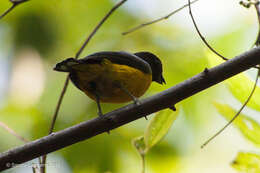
113 76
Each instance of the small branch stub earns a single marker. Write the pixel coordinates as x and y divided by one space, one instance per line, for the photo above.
173 108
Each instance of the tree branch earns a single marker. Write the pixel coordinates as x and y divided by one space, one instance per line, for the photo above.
131 112
15 4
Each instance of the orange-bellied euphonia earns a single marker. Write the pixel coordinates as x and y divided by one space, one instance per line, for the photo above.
113 77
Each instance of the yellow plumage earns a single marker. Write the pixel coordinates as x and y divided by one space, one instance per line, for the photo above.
107 76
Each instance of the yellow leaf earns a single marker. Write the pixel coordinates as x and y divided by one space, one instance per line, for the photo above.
247 126
247 162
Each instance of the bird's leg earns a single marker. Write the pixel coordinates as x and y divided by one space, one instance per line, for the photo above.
93 87
135 99
100 114
98 104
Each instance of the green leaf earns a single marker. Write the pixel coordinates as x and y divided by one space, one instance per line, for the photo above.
247 162
248 127
140 145
158 127
240 85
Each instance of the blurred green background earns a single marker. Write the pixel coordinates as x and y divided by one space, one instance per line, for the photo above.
38 34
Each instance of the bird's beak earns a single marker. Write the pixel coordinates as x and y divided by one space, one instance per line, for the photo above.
60 67
55 68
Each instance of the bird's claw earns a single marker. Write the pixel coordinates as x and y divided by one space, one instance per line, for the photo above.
136 101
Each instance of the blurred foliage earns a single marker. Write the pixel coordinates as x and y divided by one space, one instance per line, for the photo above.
56 31
240 86
248 126
32 30
247 162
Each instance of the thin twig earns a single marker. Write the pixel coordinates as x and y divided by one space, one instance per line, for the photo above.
43 160
11 131
15 4
236 115
67 79
257 8
252 91
131 112
34 169
201 36
8 11
157 20
98 26
58 105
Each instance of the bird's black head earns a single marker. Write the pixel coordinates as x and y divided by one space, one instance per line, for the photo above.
65 66
156 65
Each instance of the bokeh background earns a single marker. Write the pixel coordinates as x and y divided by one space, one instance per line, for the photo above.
38 34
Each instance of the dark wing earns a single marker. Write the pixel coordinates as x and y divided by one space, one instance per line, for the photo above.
73 77
122 58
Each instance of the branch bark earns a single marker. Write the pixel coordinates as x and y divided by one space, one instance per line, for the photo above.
131 112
